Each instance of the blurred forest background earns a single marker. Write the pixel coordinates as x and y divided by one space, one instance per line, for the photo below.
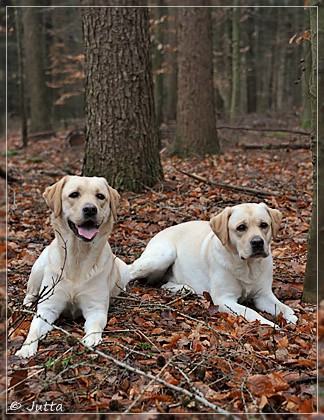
261 60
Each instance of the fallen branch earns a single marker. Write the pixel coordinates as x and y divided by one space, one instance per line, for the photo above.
281 130
293 146
201 399
244 190
42 135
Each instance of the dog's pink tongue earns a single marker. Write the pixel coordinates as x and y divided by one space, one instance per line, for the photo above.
87 233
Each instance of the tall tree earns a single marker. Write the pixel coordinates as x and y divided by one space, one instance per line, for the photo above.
251 63
196 121
122 138
320 147
21 76
170 66
157 14
65 52
306 68
235 96
39 106
310 283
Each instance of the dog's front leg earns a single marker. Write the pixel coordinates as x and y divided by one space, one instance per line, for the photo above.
35 279
269 303
96 320
232 307
41 324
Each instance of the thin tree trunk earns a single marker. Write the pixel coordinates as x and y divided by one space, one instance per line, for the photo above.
21 71
196 121
235 96
66 44
281 61
171 75
37 90
157 63
310 283
306 69
251 65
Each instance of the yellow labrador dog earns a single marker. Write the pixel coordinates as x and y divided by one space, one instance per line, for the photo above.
229 257
77 273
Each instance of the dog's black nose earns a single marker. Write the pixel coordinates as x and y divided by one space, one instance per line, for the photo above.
257 243
90 210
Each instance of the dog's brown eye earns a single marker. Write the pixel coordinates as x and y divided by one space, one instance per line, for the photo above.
100 196
264 225
74 194
241 228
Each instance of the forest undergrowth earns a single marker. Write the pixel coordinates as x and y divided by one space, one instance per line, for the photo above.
164 352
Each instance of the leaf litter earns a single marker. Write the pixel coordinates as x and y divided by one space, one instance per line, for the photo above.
203 360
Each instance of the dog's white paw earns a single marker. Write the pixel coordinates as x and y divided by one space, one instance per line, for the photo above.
29 300
27 350
291 318
265 321
92 339
181 288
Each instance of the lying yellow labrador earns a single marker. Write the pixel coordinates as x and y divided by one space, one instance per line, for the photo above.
229 257
83 212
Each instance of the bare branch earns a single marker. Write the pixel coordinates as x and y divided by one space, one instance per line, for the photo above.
245 190
280 130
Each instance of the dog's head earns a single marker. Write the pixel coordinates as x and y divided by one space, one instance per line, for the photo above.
247 229
86 205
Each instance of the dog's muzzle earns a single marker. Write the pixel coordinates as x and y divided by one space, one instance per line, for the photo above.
90 227
257 247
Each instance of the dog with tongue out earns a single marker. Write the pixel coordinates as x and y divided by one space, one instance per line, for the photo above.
77 273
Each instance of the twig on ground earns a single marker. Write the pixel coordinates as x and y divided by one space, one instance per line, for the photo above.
293 146
245 190
281 130
146 387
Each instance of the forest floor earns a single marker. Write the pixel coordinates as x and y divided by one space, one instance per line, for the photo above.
203 361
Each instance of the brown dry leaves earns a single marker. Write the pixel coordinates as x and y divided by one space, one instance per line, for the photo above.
238 366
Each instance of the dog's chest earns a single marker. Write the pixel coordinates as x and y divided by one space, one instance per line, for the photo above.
72 311
246 293
248 278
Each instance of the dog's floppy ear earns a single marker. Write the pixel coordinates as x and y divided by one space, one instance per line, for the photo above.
276 217
53 196
114 201
219 225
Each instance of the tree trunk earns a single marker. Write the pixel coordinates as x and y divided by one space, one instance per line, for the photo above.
37 91
196 121
306 66
281 61
121 134
66 69
251 65
157 13
235 96
21 76
310 283
171 66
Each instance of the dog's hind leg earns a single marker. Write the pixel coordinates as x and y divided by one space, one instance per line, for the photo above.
154 262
